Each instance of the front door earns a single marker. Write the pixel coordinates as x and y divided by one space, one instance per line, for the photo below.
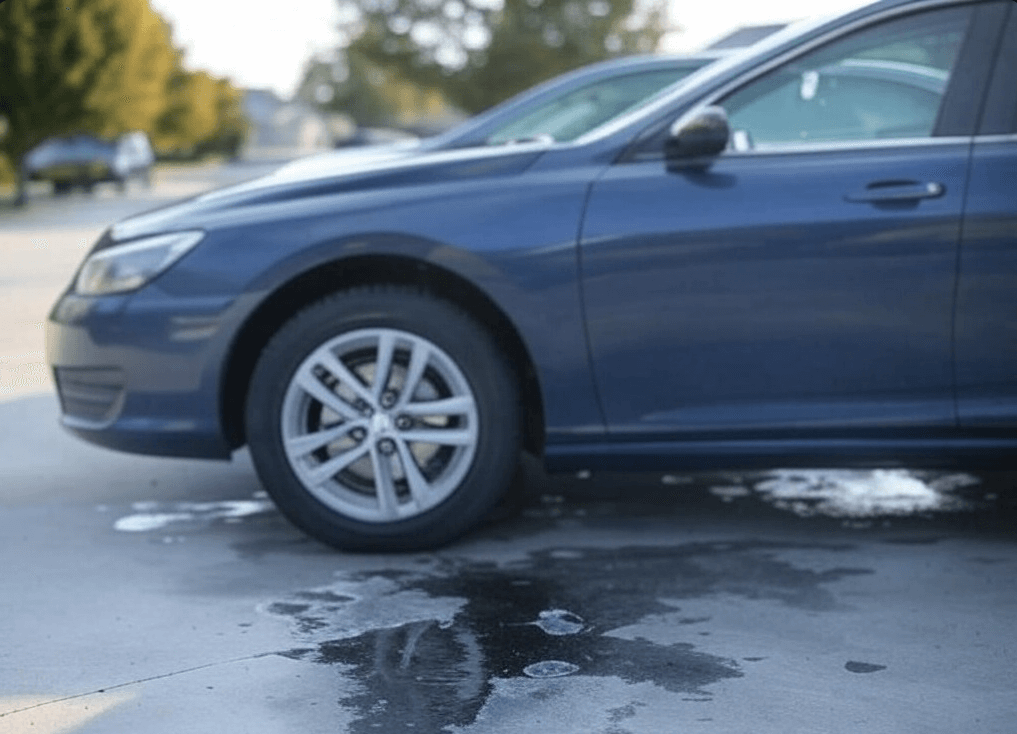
805 281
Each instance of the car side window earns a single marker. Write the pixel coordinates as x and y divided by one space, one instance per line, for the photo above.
883 82
567 117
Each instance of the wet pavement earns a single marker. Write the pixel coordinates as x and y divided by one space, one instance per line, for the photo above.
158 595
164 595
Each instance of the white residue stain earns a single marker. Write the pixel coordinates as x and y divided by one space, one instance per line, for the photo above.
566 554
849 493
559 622
550 669
730 493
150 516
150 521
675 479
348 609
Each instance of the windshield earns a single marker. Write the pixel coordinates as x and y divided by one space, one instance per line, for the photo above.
566 117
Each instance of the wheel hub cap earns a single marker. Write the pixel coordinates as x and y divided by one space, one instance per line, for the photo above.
379 424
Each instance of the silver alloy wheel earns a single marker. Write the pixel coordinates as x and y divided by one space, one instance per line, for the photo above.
379 424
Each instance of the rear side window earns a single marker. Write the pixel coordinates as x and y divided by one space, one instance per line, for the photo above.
883 82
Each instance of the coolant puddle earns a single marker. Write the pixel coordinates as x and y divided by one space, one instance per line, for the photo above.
442 648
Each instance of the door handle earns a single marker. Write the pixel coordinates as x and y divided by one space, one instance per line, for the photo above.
900 191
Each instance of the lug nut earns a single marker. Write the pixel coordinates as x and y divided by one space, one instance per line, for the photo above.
358 434
404 423
388 398
386 446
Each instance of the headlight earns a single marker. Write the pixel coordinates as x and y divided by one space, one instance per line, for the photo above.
123 268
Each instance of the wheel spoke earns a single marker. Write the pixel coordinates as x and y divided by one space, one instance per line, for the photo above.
457 405
419 486
386 350
341 372
384 485
419 356
336 464
313 387
441 436
299 446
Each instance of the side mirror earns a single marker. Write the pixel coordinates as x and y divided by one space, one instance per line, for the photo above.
703 134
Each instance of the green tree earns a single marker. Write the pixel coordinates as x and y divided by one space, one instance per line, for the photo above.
231 125
190 114
370 94
98 66
478 52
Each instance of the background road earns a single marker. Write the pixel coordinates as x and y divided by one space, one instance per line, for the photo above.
158 595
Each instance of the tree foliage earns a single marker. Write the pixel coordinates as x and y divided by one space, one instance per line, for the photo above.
369 94
189 114
231 126
98 66
478 52
103 67
203 114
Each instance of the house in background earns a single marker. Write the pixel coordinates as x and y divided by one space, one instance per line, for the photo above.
283 129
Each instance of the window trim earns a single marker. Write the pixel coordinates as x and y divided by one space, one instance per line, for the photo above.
837 146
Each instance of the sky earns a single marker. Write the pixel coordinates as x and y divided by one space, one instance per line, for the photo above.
267 48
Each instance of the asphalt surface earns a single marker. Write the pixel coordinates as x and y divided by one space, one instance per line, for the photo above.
157 595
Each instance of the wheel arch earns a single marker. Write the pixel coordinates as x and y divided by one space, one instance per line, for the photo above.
352 272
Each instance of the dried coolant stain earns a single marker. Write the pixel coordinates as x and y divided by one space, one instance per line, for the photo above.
426 648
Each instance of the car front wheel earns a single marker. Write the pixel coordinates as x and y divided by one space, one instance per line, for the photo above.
383 419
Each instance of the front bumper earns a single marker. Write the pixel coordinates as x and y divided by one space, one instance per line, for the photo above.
140 373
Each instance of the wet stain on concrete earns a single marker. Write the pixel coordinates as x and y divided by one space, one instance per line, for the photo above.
548 617
856 667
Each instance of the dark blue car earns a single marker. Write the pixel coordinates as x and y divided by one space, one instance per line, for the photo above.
804 253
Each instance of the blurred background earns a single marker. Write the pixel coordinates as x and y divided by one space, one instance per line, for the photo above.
216 79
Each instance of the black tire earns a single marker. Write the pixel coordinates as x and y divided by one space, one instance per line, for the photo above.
62 188
409 493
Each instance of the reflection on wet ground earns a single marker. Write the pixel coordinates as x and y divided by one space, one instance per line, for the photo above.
640 595
454 642
428 648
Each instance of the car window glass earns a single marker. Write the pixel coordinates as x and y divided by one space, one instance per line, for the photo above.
567 117
884 82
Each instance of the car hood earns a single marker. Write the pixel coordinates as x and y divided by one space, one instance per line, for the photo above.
330 175
337 162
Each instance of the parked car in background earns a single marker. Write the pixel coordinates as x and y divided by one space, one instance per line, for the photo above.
85 160
803 254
